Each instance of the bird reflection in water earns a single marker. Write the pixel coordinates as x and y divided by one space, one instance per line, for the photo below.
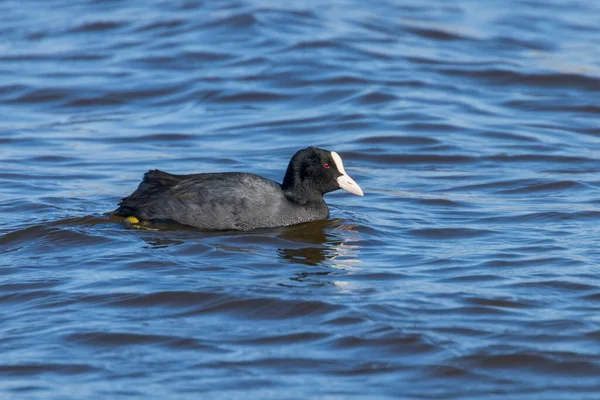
324 247
329 245
330 249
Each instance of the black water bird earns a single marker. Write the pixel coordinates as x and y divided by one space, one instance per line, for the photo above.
239 200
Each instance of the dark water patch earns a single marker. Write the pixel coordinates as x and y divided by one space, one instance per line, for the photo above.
374 97
289 339
508 136
34 370
495 76
279 123
31 297
501 302
162 25
98 26
473 311
512 43
346 320
188 60
292 365
17 206
206 303
269 309
474 278
168 139
12 88
453 372
546 187
204 56
248 97
53 159
547 217
315 44
240 21
499 186
538 249
155 265
557 325
594 335
524 263
432 60
590 131
595 297
378 276
32 285
49 236
552 364
23 57
436 34
119 339
539 158
572 287
412 158
394 343
450 233
165 299
367 369
46 95
259 241
431 127
399 140
443 203
337 81
155 92
551 106
82 57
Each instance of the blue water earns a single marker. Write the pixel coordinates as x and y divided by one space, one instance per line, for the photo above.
470 269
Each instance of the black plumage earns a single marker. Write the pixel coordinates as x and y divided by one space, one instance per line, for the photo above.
241 201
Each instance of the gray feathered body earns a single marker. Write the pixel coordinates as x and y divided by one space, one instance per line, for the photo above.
217 201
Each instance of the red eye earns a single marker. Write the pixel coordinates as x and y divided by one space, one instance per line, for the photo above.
326 166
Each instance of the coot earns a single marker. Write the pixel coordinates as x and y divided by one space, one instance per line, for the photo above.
242 201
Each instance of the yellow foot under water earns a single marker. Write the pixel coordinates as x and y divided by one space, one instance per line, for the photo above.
134 222
131 220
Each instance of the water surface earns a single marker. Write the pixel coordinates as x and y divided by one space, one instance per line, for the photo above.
468 271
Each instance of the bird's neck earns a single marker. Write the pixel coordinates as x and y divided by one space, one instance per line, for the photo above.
298 191
301 194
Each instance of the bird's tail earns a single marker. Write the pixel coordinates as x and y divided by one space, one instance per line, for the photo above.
154 182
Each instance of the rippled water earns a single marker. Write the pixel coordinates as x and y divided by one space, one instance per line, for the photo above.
468 271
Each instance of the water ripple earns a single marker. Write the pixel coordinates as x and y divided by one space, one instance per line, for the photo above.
468 270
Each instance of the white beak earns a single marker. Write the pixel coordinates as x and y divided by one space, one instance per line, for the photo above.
348 184
344 180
